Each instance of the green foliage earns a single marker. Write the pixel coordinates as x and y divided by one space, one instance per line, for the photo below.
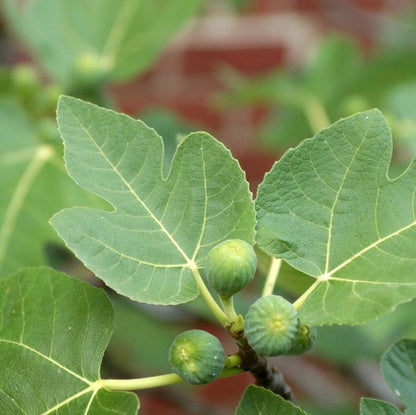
261 401
329 209
337 81
53 333
162 229
399 369
124 37
29 169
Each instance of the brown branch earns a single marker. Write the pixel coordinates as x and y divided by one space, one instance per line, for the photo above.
264 373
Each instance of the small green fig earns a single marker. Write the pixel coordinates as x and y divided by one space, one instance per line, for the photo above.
304 340
24 80
197 357
271 325
231 266
91 70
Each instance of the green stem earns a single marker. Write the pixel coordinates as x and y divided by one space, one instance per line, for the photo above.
299 302
272 276
209 299
152 381
316 114
140 383
228 304
233 361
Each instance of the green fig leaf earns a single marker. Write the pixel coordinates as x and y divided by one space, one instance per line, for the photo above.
376 407
330 210
399 369
53 333
161 229
123 37
34 185
398 366
258 400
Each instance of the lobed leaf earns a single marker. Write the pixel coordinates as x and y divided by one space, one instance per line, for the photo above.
161 230
53 333
330 210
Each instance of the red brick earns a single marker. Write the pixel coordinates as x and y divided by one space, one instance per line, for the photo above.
250 60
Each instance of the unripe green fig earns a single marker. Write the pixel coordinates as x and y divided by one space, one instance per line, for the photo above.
91 70
197 357
304 340
231 266
271 325
24 80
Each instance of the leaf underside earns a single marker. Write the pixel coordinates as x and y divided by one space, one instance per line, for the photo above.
53 333
260 401
399 369
398 366
377 407
329 209
161 229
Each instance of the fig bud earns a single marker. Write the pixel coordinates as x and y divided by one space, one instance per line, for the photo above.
304 340
231 266
197 357
271 325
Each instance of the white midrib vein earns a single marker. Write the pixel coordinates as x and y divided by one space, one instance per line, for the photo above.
91 386
189 261
119 30
40 157
331 219
48 358
328 276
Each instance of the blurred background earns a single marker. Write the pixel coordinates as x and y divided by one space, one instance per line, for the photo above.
259 75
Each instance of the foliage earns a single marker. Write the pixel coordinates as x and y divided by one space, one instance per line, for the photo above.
55 329
124 40
153 245
337 81
143 213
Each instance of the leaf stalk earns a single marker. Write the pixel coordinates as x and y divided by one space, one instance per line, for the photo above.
272 277
209 299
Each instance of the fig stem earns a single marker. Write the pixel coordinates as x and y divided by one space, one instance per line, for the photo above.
139 383
233 361
228 305
151 381
315 113
272 277
209 299
299 302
